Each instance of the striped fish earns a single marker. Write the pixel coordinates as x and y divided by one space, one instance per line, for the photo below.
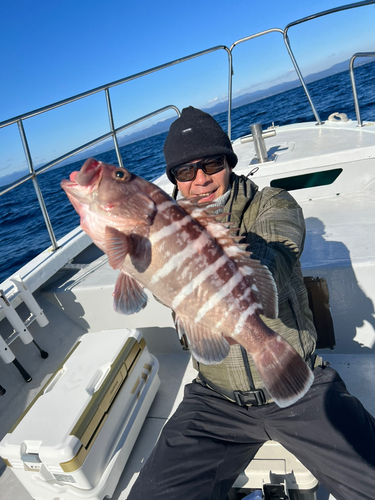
194 265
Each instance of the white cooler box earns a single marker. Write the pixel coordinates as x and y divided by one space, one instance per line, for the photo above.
76 436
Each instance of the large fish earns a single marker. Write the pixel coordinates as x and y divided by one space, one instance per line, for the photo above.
193 264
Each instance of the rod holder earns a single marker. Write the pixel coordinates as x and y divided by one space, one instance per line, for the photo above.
14 319
6 353
18 325
29 300
259 144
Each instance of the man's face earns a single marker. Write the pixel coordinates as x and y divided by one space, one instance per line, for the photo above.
206 187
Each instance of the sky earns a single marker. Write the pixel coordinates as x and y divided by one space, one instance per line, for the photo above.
55 49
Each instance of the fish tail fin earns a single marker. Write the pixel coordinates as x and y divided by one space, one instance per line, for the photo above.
283 371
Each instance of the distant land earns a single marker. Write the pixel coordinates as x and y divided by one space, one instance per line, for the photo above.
163 126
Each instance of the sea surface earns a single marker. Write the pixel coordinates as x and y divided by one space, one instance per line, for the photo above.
23 233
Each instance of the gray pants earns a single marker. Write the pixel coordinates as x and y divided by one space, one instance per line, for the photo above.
209 441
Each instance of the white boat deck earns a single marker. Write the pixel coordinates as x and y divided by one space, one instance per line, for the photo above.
175 371
65 300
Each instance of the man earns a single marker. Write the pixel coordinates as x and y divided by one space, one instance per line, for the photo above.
226 414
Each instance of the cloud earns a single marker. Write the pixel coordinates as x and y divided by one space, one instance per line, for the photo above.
213 100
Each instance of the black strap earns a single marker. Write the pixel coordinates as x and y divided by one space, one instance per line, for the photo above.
247 368
256 397
253 397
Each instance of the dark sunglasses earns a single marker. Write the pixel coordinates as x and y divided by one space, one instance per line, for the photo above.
188 171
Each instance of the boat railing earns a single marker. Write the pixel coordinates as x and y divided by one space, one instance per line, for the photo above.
309 18
33 173
354 87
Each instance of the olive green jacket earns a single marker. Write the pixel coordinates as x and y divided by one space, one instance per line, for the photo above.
272 223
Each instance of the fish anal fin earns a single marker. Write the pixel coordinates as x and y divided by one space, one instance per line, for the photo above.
129 296
208 347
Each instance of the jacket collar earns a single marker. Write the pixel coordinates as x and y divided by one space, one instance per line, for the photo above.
243 191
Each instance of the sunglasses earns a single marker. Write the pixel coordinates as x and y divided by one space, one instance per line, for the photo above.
188 171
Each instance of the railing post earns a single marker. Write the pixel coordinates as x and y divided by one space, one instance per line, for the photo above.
301 79
354 87
36 185
112 125
230 50
230 77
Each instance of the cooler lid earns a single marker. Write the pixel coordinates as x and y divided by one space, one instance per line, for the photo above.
67 411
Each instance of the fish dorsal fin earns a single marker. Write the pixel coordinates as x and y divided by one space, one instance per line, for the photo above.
258 277
211 221
191 205
207 346
129 296
201 212
260 280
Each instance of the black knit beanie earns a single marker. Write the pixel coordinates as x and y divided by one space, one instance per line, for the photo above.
195 135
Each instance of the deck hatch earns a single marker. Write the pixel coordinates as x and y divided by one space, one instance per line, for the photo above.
314 179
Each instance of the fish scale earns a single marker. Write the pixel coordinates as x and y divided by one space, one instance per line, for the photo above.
191 263
208 267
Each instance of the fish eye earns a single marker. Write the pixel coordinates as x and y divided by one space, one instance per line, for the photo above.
121 174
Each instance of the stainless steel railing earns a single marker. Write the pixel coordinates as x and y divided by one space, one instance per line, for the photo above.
309 18
34 173
284 32
354 87
114 131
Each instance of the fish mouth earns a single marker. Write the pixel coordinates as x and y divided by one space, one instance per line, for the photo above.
90 173
88 177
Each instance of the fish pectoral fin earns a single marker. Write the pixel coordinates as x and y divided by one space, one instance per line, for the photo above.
129 296
207 346
118 245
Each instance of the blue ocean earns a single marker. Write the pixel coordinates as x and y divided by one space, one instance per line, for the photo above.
23 233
